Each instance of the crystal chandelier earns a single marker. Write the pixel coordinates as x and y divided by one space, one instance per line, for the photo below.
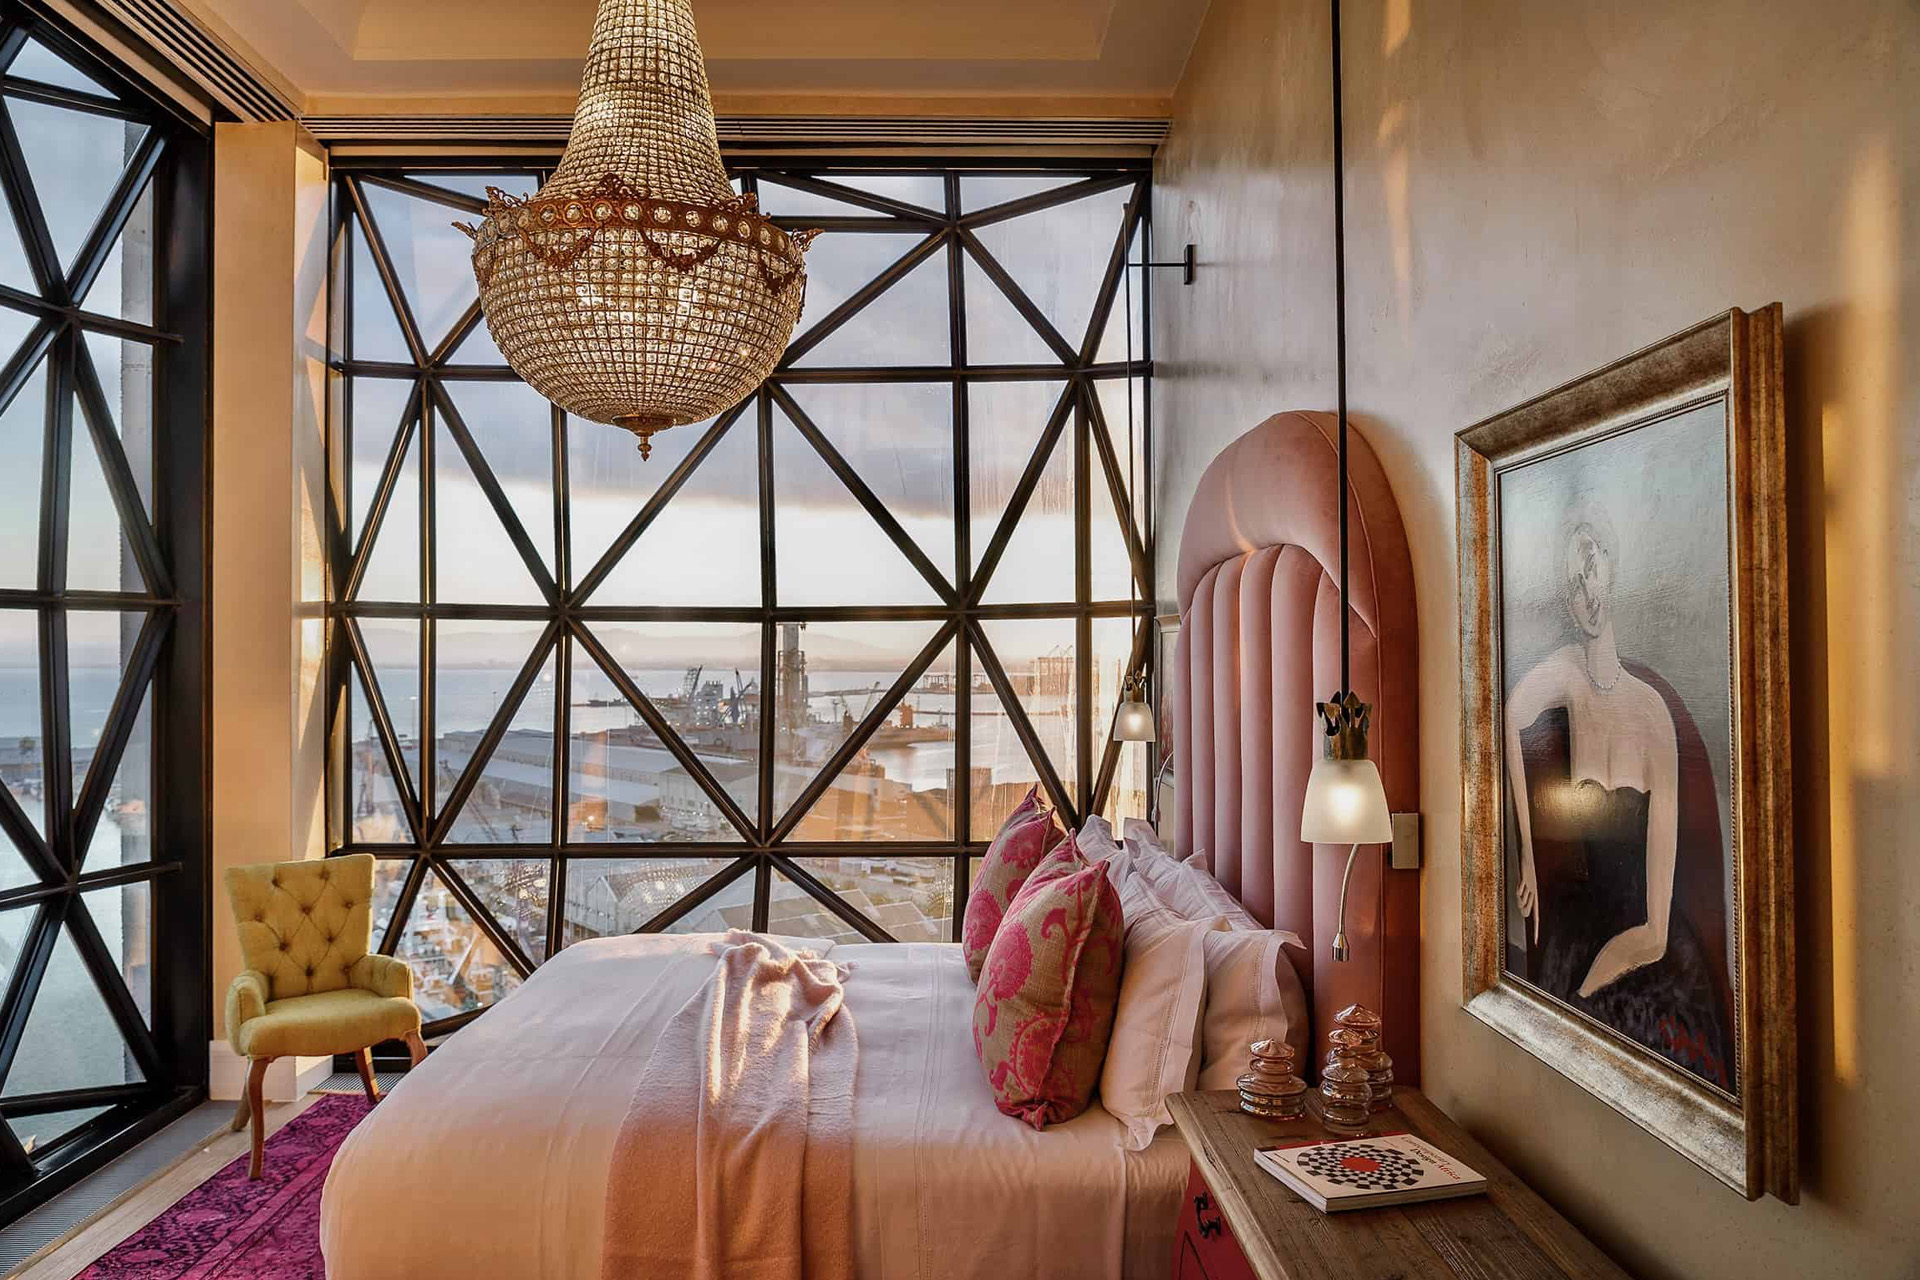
636 288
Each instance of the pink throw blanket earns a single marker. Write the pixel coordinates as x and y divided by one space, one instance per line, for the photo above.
735 1161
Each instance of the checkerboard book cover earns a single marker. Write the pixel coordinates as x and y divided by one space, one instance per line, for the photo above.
1369 1172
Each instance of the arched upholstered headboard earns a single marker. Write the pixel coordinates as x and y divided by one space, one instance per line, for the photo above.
1259 645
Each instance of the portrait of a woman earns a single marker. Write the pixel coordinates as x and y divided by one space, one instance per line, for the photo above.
1621 870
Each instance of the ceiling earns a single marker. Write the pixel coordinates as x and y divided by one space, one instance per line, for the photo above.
1007 57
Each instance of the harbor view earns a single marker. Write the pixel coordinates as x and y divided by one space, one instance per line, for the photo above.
626 786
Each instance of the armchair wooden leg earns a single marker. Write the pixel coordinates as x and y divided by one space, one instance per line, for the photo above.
256 1108
416 1048
364 1060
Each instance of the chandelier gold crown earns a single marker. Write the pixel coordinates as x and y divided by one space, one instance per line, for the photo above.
637 288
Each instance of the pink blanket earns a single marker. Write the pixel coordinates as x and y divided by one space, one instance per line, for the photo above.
735 1160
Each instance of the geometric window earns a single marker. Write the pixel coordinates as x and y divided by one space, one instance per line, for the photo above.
793 671
102 1034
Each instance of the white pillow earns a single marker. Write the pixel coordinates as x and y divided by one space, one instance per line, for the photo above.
1187 887
1154 1049
1253 994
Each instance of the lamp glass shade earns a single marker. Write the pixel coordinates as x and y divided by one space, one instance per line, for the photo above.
1345 804
1133 722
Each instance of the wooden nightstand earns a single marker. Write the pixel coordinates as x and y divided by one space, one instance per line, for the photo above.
1237 1222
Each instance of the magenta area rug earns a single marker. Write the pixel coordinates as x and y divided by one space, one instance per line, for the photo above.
229 1228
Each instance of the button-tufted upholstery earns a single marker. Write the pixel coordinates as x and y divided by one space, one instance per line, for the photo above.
312 985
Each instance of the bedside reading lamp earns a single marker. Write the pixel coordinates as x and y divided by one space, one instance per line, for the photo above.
1345 803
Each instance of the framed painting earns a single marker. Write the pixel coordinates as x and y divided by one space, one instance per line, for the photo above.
1627 853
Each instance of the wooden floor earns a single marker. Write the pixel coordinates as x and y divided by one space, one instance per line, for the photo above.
85 1244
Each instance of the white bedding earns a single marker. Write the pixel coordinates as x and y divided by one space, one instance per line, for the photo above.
492 1158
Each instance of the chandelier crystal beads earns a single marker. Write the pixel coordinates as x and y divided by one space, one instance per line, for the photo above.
636 287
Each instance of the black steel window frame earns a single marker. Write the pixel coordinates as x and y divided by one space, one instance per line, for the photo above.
174 159
1101 451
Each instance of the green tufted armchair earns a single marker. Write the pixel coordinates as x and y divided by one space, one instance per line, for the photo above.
312 985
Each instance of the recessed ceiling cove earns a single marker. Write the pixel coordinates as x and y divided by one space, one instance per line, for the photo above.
1105 57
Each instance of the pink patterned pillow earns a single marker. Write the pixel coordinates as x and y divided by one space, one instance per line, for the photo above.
1045 1006
1028 835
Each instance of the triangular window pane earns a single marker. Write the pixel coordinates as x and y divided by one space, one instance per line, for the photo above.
513 425
1040 657
71 1040
476 184
899 787
1126 318
100 644
780 201
15 328
456 967
842 263
514 892
827 677
898 436
13 936
15 271
1038 563
377 406
704 546
923 190
432 257
377 814
125 286
1112 659
37 62
75 159
99 555
122 837
23 442
814 512
996 332
1059 256
608 897
704 679
1112 566
475 561
389 879
123 916
1123 405
977 193
792 912
512 802
393 646
393 571
608 482
1005 421
38 1133
478 348
22 746
376 327
906 325
125 369
911 898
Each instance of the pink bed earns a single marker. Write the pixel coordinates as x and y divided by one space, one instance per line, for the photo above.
493 1158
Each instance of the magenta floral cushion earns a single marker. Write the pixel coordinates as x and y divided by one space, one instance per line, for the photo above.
1046 998
1030 833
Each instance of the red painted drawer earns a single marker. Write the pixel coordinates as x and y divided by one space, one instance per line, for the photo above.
1207 1249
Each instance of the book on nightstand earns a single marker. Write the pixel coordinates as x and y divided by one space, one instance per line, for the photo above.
1368 1172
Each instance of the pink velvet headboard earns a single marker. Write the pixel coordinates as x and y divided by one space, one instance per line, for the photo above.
1259 645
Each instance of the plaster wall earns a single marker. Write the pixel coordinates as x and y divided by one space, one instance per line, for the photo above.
269 386
1533 191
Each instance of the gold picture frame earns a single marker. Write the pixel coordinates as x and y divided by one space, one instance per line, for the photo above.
1588 939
